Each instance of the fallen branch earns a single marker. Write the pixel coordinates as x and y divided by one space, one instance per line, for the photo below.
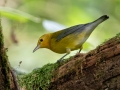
98 69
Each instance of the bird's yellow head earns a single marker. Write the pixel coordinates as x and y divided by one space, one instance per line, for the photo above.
43 42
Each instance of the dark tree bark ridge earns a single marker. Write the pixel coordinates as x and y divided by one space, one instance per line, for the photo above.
6 77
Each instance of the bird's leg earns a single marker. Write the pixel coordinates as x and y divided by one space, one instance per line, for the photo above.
60 60
81 62
80 49
68 52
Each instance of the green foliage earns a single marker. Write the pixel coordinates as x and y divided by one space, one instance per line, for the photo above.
15 14
87 45
39 78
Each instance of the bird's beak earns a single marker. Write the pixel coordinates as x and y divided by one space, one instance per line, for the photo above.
36 48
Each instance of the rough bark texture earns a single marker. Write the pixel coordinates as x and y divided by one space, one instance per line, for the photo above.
7 81
99 69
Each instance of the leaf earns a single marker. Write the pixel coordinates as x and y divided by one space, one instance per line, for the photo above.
15 14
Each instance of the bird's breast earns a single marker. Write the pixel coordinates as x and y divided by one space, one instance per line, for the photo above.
73 42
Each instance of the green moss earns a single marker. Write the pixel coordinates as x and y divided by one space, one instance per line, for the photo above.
1 36
6 70
118 34
38 79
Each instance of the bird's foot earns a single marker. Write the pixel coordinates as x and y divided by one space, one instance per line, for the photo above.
60 60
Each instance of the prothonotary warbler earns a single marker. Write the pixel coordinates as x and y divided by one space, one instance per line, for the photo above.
69 39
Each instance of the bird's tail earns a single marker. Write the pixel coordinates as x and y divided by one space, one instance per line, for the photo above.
91 26
100 20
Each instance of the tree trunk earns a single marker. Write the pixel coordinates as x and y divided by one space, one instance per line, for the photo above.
7 78
98 69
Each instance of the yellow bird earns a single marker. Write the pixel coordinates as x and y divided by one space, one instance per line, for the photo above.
69 39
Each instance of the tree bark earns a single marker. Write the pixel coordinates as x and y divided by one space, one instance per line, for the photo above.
7 78
98 69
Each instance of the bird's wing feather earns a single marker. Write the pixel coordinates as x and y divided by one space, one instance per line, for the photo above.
71 30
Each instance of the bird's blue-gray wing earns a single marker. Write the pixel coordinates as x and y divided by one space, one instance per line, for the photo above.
71 30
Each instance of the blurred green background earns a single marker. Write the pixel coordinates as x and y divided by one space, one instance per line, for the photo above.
24 21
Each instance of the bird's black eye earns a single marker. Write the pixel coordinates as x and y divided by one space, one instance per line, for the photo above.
41 40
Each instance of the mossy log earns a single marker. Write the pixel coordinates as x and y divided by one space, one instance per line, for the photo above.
7 78
98 69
